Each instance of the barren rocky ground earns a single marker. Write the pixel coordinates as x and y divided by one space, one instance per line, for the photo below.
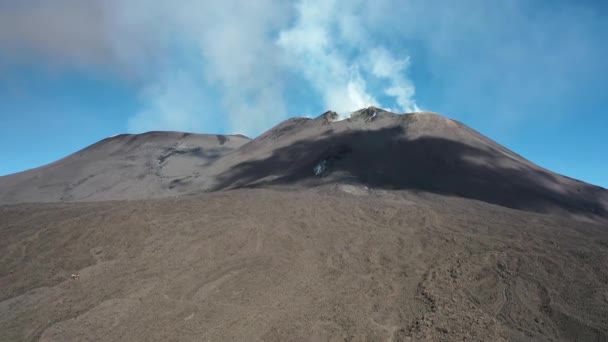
336 263
380 227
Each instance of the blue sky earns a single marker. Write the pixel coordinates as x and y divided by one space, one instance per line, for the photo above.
531 75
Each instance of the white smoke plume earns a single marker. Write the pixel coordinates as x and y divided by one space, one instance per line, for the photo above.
244 51
193 59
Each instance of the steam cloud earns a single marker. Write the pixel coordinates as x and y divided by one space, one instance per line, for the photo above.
242 49
191 59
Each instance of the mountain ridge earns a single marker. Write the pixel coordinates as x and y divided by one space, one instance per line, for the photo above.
371 227
373 147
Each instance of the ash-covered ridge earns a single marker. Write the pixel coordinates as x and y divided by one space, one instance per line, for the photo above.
371 147
421 151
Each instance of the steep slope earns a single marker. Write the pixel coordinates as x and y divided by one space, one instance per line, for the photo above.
419 151
126 166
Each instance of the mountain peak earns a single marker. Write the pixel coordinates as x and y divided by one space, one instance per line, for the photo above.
372 113
421 151
364 114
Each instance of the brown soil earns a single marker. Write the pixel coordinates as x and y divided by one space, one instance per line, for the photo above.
333 263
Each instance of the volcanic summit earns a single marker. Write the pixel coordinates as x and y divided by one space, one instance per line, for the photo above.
372 227
372 147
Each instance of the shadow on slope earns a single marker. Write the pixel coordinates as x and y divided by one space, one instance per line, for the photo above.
386 159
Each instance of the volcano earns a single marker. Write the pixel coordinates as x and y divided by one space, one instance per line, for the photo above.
372 227
374 148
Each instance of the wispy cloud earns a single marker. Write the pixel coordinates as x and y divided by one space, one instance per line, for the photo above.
385 66
174 103
350 53
236 42
507 62
82 34
133 39
246 49
327 44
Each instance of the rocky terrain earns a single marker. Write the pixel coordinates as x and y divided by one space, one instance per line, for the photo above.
379 227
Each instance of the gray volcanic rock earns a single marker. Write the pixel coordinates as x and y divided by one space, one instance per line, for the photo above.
127 166
311 265
400 230
419 151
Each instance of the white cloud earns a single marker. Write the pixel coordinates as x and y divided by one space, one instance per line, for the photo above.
385 66
236 42
245 50
232 39
44 27
351 53
175 103
320 45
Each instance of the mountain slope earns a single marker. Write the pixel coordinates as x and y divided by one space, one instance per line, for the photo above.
126 166
399 231
420 151
311 265
373 147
